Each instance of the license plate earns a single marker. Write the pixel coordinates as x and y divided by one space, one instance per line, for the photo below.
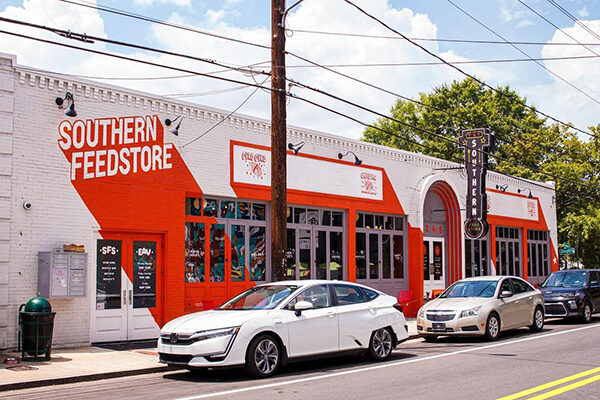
438 326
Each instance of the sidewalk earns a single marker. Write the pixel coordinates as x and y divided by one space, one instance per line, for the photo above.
88 364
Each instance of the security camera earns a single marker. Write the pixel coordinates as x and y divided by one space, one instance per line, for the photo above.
27 205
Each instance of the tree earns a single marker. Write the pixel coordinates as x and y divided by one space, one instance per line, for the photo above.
526 145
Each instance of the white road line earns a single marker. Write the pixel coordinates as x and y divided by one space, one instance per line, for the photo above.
380 366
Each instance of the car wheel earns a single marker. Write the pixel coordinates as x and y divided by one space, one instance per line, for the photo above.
492 327
381 344
538 320
586 313
431 338
263 357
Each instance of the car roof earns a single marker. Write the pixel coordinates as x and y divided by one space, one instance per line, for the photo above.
309 282
487 278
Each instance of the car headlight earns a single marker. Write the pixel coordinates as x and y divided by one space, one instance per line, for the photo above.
470 313
421 313
214 333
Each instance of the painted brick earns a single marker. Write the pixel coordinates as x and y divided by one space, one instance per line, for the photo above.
4 272
4 251
3 295
4 230
5 186
3 318
6 102
5 165
4 208
6 144
6 122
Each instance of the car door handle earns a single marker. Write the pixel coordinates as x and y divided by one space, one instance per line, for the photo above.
330 314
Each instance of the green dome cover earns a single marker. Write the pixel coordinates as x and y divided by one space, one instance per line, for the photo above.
38 304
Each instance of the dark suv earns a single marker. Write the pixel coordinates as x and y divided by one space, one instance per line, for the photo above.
572 293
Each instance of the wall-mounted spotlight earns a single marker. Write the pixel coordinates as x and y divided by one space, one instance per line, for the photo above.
357 161
175 129
70 111
295 147
522 190
502 188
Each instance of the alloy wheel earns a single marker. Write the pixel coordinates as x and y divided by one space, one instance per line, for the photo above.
382 343
539 319
266 356
587 313
493 326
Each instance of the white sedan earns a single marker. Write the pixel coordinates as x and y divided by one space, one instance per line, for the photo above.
270 324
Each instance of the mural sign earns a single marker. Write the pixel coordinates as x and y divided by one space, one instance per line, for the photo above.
476 142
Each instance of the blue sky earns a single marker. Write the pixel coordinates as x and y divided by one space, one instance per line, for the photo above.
250 19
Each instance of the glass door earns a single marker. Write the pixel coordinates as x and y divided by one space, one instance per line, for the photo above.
314 253
434 265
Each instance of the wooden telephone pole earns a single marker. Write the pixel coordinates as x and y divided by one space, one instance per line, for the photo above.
278 142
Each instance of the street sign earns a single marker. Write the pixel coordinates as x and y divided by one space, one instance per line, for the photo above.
566 251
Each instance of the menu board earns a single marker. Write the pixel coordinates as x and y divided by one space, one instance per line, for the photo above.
108 274
144 274
437 260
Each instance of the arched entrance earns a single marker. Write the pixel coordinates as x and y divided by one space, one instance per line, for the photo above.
441 239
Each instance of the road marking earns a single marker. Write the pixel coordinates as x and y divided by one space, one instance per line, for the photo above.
550 384
380 366
567 388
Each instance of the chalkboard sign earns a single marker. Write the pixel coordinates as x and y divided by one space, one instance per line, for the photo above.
144 274
108 274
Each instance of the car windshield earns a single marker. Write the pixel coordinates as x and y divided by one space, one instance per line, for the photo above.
264 297
566 279
471 289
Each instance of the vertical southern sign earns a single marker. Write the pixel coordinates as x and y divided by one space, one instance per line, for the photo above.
476 141
108 274
144 274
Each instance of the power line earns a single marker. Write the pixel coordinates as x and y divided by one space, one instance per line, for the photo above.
140 17
85 38
259 86
525 54
416 39
574 19
227 116
153 20
465 73
559 29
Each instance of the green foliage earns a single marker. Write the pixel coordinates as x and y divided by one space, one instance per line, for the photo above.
524 141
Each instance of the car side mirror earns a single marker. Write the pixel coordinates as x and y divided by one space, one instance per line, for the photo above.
595 283
505 294
301 306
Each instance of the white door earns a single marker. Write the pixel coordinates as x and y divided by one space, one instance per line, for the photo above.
434 265
313 331
128 294
354 315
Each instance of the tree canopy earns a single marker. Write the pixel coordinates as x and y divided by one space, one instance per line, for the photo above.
526 145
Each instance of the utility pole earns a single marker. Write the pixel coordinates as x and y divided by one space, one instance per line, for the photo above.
278 142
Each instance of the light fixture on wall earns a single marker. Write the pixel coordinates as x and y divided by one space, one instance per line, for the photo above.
295 147
529 196
357 161
175 129
502 188
70 111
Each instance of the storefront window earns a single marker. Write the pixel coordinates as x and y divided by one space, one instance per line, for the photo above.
476 257
508 251
398 257
194 252
193 206
290 254
361 256
217 253
258 253
210 208
238 253
227 209
538 262
336 255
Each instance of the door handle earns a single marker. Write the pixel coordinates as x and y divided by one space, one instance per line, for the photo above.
330 315
124 297
130 296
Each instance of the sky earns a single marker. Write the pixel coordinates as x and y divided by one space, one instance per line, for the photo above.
249 20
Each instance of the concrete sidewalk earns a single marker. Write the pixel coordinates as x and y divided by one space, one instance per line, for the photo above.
88 364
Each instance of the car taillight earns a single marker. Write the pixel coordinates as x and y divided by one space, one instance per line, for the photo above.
398 307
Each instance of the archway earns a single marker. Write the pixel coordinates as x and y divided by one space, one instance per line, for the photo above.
442 250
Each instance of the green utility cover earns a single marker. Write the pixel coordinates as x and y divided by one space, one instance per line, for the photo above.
38 304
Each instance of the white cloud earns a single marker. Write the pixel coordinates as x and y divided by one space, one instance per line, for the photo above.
180 3
583 12
525 23
557 98
215 16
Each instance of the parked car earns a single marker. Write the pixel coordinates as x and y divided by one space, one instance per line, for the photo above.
271 324
485 305
572 293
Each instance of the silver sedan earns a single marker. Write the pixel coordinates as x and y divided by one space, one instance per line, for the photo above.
484 306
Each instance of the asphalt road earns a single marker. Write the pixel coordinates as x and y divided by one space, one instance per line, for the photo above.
562 362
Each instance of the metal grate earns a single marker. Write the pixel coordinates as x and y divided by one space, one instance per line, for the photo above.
440 317
175 358
555 309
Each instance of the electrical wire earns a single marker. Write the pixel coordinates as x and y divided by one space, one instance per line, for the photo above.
68 34
416 39
153 20
586 94
272 89
228 115
573 18
511 98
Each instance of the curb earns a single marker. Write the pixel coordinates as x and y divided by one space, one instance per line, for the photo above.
84 378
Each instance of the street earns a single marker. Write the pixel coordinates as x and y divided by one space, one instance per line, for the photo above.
561 362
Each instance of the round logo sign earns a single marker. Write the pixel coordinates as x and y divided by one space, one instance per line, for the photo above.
475 228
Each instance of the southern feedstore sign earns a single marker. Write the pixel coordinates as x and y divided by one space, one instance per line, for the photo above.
114 146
